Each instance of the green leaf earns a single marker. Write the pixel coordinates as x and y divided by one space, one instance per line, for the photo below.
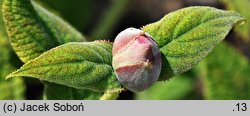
55 91
186 36
12 89
241 6
3 34
78 65
176 88
33 30
61 30
225 74
78 13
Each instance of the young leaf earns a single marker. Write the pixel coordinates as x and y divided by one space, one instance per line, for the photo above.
186 36
78 65
55 91
225 74
241 6
25 29
33 30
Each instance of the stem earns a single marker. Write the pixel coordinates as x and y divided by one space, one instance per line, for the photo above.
111 94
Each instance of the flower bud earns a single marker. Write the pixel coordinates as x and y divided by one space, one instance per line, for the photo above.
136 59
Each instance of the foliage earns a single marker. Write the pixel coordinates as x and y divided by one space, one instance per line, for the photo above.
38 30
219 80
33 30
83 70
79 65
11 89
185 40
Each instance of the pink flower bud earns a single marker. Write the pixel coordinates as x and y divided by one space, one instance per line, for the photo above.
136 59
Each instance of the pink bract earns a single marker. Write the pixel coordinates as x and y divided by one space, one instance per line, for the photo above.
136 59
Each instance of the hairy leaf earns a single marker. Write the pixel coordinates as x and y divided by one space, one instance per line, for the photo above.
225 74
12 89
78 12
78 65
3 34
33 30
241 6
186 36
64 34
61 30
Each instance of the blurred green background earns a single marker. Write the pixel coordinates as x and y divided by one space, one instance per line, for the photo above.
224 74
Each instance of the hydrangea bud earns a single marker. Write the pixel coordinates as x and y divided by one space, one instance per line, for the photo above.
136 59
